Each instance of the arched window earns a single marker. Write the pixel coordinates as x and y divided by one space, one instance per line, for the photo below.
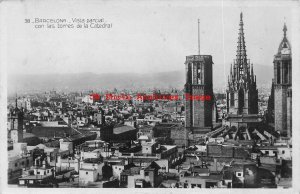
285 72
231 99
278 73
200 73
241 101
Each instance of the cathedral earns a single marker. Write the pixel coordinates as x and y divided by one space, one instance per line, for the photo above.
242 95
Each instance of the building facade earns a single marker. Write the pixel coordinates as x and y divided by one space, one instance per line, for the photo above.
283 87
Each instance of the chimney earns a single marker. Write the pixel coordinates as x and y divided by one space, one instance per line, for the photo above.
58 160
38 161
158 146
48 159
215 163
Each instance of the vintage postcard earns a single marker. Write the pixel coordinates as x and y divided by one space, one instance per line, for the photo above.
180 96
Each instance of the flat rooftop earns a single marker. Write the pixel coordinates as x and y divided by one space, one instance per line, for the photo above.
122 129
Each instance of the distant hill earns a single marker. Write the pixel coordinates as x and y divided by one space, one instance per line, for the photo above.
87 81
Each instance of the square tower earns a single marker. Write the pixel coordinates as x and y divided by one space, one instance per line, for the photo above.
15 120
283 87
199 93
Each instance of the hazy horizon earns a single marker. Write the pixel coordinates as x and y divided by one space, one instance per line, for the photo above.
107 81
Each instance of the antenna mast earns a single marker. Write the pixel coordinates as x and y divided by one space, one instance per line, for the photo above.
198 36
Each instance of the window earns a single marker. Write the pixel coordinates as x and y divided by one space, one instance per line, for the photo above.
37 172
23 163
239 174
116 167
146 173
283 152
119 168
123 178
241 70
229 185
267 152
16 164
200 73
193 185
47 171
86 173
285 73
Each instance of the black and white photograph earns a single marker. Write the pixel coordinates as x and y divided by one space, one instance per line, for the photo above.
180 96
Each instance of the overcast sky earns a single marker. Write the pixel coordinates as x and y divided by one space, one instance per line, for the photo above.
145 37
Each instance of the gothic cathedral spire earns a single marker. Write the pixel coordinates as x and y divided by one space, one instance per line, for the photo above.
241 55
242 93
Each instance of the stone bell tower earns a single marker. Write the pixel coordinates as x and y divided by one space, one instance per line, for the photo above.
283 86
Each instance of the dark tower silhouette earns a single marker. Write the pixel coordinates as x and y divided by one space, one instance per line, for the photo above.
15 118
283 86
242 95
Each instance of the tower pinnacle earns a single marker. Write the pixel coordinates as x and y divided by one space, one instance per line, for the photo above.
16 101
241 63
284 45
284 30
241 48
